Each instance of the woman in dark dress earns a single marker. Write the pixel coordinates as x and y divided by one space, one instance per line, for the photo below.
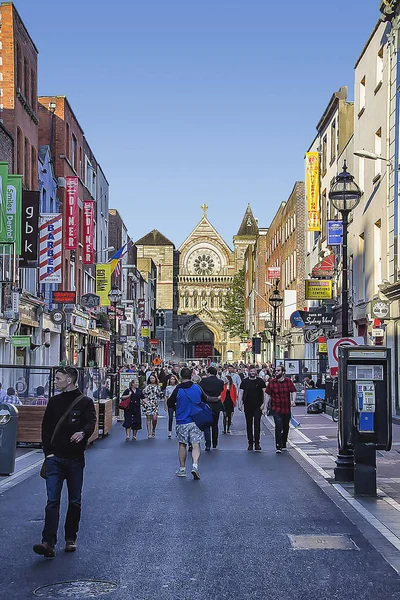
133 416
228 398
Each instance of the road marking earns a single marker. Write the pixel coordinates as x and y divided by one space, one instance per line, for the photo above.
27 454
11 480
389 500
312 462
305 438
323 437
372 520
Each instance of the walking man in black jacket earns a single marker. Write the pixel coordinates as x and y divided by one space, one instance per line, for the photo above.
212 387
65 460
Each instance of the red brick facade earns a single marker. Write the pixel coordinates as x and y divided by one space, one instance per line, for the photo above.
19 93
60 129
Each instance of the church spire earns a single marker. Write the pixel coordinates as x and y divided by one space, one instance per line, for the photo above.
249 226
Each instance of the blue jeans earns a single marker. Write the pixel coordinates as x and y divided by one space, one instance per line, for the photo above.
57 470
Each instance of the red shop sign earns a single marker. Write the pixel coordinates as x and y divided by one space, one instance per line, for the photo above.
64 297
88 239
71 241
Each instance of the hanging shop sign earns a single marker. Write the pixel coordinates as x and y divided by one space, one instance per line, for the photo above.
274 273
323 348
103 282
141 308
318 289
325 268
79 323
28 314
90 300
61 297
21 341
57 316
334 232
71 213
296 319
50 239
312 190
3 199
13 211
88 237
30 229
318 319
312 335
145 332
123 339
380 309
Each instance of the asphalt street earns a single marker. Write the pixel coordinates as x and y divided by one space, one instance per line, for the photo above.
160 537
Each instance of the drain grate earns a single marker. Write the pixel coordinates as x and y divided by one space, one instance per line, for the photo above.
76 589
322 542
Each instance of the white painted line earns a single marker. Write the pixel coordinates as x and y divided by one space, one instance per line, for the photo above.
312 462
305 438
389 535
10 481
27 454
323 437
389 500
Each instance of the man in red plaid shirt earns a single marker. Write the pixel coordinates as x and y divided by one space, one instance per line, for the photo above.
282 394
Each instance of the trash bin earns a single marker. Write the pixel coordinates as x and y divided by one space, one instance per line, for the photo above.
8 437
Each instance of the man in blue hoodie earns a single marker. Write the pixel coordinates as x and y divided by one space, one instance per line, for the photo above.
184 396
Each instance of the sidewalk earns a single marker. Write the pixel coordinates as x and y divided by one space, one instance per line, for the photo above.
315 446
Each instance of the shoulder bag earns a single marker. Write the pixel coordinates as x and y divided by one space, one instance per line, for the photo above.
201 414
125 404
56 428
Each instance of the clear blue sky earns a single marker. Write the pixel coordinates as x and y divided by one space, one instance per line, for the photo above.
186 102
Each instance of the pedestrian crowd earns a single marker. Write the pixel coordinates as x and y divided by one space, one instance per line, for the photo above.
194 395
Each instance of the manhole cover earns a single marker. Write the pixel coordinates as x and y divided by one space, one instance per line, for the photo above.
322 542
76 589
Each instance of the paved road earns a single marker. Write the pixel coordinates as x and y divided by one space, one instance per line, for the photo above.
226 536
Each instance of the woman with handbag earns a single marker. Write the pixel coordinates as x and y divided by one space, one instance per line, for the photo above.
228 398
152 395
130 403
173 382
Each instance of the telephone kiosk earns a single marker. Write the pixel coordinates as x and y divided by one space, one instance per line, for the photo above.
365 410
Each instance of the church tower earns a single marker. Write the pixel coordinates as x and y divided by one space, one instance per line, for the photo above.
246 236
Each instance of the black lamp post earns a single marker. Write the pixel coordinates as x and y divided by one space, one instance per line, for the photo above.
344 195
275 300
115 296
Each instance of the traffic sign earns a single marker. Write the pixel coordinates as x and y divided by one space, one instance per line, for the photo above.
157 361
333 350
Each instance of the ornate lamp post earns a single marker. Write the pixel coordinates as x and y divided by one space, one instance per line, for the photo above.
275 300
344 195
115 296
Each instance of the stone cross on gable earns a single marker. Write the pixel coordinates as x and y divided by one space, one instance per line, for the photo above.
204 208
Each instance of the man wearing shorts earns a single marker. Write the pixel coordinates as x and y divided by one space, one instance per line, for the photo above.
184 396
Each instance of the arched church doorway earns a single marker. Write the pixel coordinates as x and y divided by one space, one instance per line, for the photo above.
201 341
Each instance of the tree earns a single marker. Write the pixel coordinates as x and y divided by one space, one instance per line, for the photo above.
234 317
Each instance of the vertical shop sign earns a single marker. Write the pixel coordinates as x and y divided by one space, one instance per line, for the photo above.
13 211
71 214
50 236
312 190
88 212
103 282
3 199
30 229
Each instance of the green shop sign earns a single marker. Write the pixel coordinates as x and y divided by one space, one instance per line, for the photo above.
21 341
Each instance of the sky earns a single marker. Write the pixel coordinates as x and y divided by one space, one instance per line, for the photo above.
187 102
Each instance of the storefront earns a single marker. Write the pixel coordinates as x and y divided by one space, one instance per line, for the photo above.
29 325
98 342
50 353
77 338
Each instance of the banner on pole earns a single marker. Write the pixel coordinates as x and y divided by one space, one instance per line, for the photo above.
71 213
88 250
50 232
312 191
13 211
3 199
103 282
30 229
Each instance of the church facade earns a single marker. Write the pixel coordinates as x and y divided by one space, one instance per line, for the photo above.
205 266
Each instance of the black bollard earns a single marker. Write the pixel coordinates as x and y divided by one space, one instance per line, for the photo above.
364 469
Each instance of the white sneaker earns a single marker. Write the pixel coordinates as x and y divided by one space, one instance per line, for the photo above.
195 473
181 473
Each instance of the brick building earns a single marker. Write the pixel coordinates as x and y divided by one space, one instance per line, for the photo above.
6 147
18 108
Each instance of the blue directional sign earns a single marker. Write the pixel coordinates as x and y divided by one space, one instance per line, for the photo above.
334 233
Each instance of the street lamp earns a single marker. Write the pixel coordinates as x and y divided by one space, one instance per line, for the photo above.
275 300
345 196
115 296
